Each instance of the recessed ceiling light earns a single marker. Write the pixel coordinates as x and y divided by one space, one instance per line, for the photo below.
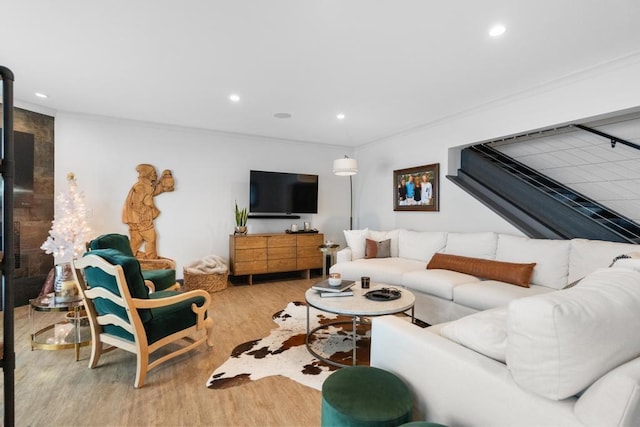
497 30
41 95
234 97
340 116
282 115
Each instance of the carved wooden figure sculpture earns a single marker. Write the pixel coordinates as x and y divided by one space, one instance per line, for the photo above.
140 210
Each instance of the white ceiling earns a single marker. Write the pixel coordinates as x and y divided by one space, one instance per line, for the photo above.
388 65
588 163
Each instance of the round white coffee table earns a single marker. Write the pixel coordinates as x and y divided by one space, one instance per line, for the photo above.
357 307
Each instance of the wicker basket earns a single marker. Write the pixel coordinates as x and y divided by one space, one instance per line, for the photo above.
207 282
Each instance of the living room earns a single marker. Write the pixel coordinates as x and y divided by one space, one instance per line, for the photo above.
211 165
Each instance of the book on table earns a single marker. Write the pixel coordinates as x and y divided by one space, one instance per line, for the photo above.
324 286
336 294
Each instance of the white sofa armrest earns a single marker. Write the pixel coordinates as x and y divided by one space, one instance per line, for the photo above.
613 400
344 255
453 385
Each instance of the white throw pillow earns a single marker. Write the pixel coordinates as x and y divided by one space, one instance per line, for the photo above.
379 236
484 332
628 263
356 241
551 258
474 245
420 245
561 342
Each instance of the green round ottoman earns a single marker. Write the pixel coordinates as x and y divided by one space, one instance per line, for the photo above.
365 396
422 424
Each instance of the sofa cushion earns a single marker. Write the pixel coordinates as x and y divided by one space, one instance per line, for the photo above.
517 274
561 342
384 235
475 245
492 293
388 271
613 400
374 249
420 245
356 241
484 332
439 283
551 258
589 255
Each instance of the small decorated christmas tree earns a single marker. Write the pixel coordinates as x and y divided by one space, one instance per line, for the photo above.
69 231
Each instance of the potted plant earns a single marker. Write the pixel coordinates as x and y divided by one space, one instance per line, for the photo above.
241 220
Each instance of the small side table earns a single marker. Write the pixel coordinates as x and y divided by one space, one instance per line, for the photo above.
60 335
330 250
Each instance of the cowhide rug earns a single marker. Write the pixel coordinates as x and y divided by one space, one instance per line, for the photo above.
284 353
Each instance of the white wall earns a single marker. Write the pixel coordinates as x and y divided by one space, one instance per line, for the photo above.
584 95
211 171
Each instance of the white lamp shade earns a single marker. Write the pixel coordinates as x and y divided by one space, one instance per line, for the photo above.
345 167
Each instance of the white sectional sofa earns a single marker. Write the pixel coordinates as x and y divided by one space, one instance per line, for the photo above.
444 295
566 358
506 355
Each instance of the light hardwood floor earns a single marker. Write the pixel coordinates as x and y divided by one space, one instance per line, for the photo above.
53 389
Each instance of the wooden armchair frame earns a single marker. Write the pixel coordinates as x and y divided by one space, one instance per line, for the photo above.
139 346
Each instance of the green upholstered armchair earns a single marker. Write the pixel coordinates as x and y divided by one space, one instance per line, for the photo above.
123 314
161 272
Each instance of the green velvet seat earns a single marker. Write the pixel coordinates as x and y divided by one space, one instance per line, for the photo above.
162 278
365 396
122 313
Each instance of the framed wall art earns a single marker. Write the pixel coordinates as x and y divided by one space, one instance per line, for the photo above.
417 189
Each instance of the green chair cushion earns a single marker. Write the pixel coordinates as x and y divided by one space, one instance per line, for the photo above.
112 241
365 396
162 279
172 318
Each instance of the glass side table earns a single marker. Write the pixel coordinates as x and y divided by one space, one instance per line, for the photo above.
71 331
331 250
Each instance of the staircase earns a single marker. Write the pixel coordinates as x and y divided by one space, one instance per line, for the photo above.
536 204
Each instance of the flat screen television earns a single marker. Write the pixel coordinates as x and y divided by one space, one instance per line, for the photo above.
283 193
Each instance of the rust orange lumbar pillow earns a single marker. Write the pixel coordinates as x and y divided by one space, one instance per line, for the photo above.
516 274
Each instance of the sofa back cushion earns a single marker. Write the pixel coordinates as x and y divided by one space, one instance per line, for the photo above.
561 342
551 258
589 255
475 245
420 245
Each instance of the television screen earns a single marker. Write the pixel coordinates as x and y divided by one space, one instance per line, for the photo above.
279 192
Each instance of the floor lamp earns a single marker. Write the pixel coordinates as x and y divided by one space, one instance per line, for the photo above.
347 167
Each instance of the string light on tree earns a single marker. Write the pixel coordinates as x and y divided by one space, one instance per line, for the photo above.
69 231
